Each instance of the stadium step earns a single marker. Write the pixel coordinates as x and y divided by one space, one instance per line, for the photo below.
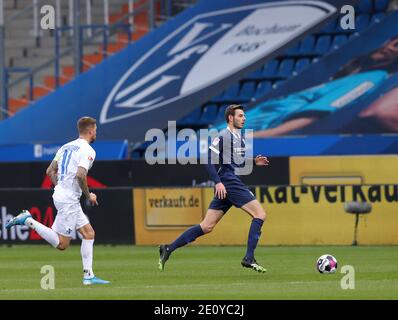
69 71
39 91
50 81
92 59
114 47
14 105
123 37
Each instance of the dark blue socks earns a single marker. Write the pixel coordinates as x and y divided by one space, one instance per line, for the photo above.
254 235
188 236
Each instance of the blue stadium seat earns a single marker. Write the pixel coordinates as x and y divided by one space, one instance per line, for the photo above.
270 68
361 22
381 5
286 68
219 97
377 17
301 64
209 113
364 6
190 119
263 88
232 93
307 45
221 113
278 83
323 44
339 40
294 50
248 90
329 28
258 74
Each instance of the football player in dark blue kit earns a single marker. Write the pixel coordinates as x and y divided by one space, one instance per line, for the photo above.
229 149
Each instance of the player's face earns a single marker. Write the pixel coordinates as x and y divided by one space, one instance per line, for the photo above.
388 52
239 119
93 133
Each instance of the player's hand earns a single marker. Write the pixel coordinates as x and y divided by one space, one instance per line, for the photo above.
261 160
93 199
221 192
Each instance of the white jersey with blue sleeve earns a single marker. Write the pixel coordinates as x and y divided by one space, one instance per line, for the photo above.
77 153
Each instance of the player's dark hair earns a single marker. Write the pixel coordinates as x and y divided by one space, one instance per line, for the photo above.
85 123
230 110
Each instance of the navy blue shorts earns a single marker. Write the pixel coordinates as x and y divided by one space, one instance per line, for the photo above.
238 194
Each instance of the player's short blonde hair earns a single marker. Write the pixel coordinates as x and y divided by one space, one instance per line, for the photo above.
85 123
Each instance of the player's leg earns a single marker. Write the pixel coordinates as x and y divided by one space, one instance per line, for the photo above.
212 217
87 250
25 218
257 212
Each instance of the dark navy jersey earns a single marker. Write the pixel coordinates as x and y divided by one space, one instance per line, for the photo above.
228 150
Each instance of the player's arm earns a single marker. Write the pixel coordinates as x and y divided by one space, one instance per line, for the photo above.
214 157
52 172
81 176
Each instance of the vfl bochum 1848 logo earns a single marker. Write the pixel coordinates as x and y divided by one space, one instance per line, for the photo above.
206 49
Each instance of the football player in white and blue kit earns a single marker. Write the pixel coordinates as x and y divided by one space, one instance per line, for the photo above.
68 172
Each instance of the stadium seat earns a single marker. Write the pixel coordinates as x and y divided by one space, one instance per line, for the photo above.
209 113
190 119
377 18
301 64
307 45
361 22
339 40
381 5
286 68
258 74
322 44
270 69
263 88
330 27
232 93
248 90
364 6
294 50
218 98
278 83
221 113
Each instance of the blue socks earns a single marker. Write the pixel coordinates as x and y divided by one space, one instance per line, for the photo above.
188 236
254 236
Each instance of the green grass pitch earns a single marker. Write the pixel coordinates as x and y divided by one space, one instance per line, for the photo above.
199 273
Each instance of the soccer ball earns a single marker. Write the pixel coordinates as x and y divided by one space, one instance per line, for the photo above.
326 264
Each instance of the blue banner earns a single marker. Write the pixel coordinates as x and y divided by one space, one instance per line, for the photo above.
170 71
105 150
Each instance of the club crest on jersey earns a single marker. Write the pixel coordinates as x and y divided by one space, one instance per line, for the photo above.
205 50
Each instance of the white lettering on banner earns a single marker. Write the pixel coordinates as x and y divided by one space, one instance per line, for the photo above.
17 232
209 49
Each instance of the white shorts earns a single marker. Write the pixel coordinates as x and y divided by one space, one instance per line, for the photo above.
70 217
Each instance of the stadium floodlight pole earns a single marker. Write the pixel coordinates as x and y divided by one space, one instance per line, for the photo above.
77 43
2 63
